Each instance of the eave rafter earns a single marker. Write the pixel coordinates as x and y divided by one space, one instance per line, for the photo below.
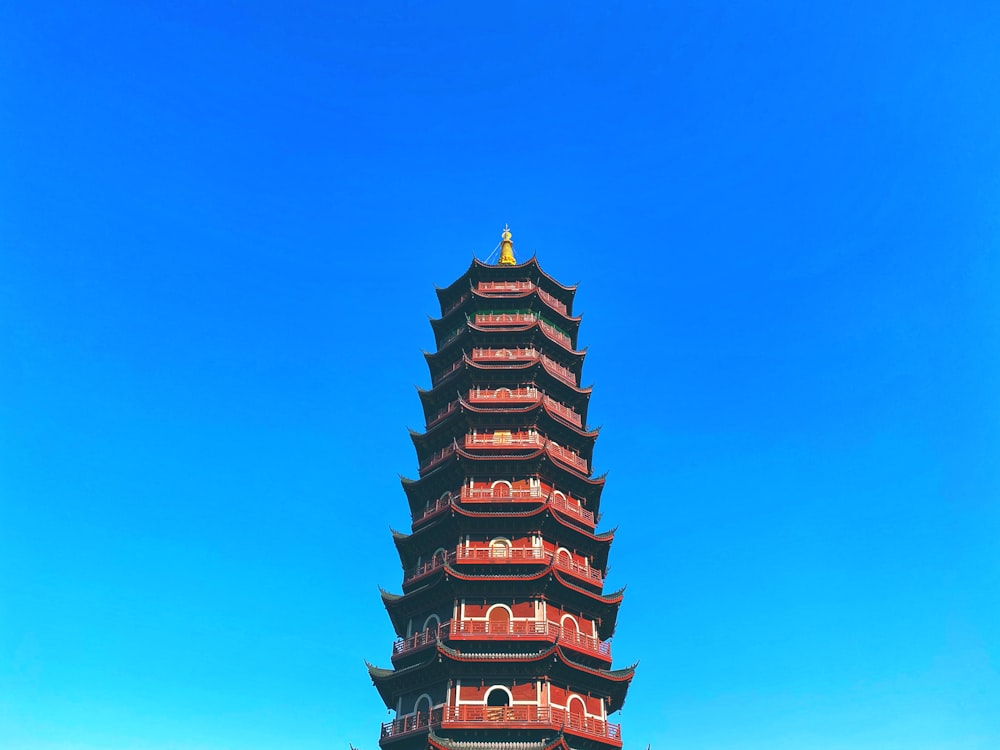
551 661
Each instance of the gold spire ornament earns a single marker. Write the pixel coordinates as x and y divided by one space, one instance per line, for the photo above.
506 249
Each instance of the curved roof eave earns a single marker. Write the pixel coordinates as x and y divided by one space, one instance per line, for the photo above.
445 290
522 295
530 262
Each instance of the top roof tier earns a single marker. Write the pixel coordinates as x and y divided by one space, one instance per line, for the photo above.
506 277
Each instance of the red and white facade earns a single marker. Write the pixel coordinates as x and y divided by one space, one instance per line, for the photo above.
503 625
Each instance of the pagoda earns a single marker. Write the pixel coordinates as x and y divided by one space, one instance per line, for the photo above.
503 623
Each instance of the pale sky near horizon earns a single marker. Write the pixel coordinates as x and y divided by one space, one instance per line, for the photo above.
220 230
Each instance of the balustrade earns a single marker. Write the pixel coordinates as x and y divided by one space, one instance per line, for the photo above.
504 555
443 413
451 337
527 717
515 318
555 333
564 411
437 457
517 353
456 304
501 439
432 509
568 456
455 366
552 301
512 630
501 493
529 393
505 286
563 373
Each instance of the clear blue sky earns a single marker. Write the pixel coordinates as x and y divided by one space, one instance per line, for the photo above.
220 227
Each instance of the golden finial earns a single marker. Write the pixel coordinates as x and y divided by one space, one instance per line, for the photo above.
506 248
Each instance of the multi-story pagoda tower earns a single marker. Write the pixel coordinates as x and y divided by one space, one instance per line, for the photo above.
503 623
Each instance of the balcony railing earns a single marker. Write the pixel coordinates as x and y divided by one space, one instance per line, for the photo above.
567 456
529 717
501 556
564 411
552 301
563 373
529 393
511 318
571 509
501 494
512 717
530 439
521 354
505 286
437 457
432 509
556 333
457 365
501 439
513 630
505 355
451 336
443 413
456 304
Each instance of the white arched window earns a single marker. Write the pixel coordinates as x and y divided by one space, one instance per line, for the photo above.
422 705
502 488
500 547
432 621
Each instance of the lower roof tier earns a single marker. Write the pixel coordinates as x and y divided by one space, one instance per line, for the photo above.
446 528
444 663
461 468
488 368
447 585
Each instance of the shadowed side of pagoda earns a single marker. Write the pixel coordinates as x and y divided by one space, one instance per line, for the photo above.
503 623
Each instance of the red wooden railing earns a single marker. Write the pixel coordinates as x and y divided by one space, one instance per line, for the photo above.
505 286
524 717
567 456
443 413
569 507
528 393
564 411
527 439
490 319
437 457
555 333
454 305
501 493
432 509
451 337
558 370
552 301
504 439
513 630
503 555
518 354
455 366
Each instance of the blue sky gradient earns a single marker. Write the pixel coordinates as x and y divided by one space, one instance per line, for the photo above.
220 227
